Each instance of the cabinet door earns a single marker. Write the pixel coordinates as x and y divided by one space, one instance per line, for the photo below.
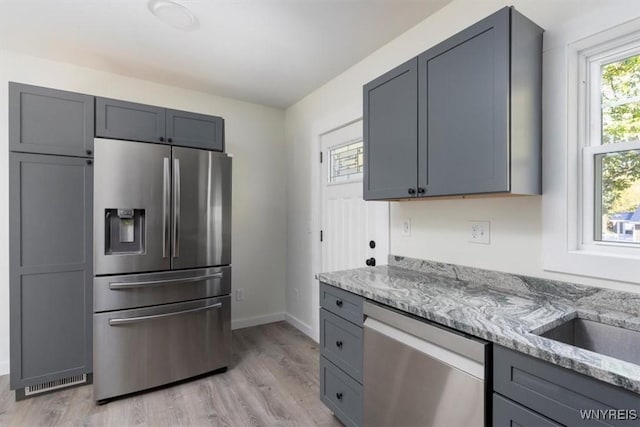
51 256
463 98
127 120
49 121
509 414
195 130
391 134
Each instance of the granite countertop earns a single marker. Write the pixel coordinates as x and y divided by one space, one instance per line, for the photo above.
502 308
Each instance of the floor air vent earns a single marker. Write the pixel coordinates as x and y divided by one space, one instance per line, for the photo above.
53 385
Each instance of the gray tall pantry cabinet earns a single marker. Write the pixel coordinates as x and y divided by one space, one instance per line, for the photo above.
462 118
51 237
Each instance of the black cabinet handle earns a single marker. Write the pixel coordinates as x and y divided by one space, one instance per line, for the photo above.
89 152
339 396
169 140
339 344
161 138
412 191
372 244
339 303
421 190
89 162
371 262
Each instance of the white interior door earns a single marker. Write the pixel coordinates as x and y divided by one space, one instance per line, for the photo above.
350 226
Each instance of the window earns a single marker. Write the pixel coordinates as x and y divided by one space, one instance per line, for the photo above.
591 150
610 75
346 162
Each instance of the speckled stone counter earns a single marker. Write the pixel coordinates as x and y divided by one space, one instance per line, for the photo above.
503 308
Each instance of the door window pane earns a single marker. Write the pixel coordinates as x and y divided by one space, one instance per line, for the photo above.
346 162
618 196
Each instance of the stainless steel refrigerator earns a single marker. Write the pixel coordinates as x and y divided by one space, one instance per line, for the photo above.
162 260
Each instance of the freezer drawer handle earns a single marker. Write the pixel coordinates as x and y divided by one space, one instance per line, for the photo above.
126 321
115 286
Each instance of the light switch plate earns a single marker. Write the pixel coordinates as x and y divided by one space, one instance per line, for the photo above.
406 227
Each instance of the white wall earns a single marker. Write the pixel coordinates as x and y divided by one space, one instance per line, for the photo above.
255 137
439 228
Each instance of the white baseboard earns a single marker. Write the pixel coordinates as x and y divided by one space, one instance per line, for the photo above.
301 326
4 367
257 320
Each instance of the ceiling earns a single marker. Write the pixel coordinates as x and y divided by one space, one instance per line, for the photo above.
272 52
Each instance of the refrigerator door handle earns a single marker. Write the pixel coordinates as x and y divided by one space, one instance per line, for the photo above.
176 208
166 200
128 320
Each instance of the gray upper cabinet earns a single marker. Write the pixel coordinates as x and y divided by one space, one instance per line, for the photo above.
480 109
463 104
138 122
478 115
195 130
50 121
391 134
51 263
127 120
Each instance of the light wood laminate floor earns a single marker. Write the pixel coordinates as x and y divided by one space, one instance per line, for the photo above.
273 381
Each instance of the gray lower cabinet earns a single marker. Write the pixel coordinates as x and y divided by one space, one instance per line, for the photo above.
509 414
341 320
51 259
341 342
558 394
391 134
195 130
341 393
130 121
478 116
50 121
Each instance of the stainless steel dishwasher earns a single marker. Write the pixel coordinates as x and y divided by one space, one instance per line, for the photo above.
419 374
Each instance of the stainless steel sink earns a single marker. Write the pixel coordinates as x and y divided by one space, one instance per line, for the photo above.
623 344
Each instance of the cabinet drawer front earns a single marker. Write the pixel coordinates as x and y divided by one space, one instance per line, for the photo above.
509 414
130 121
50 121
343 303
132 350
341 343
340 393
556 392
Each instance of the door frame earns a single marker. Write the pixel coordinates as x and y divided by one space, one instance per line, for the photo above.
339 120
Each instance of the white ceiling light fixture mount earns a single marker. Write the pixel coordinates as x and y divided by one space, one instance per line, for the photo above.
173 14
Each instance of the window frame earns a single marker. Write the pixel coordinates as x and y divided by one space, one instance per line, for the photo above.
590 63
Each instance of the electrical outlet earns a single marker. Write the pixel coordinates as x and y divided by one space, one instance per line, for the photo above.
240 294
480 232
406 227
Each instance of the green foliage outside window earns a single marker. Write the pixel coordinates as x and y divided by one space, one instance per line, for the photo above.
620 88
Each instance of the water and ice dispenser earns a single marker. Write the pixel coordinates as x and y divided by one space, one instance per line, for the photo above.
124 231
